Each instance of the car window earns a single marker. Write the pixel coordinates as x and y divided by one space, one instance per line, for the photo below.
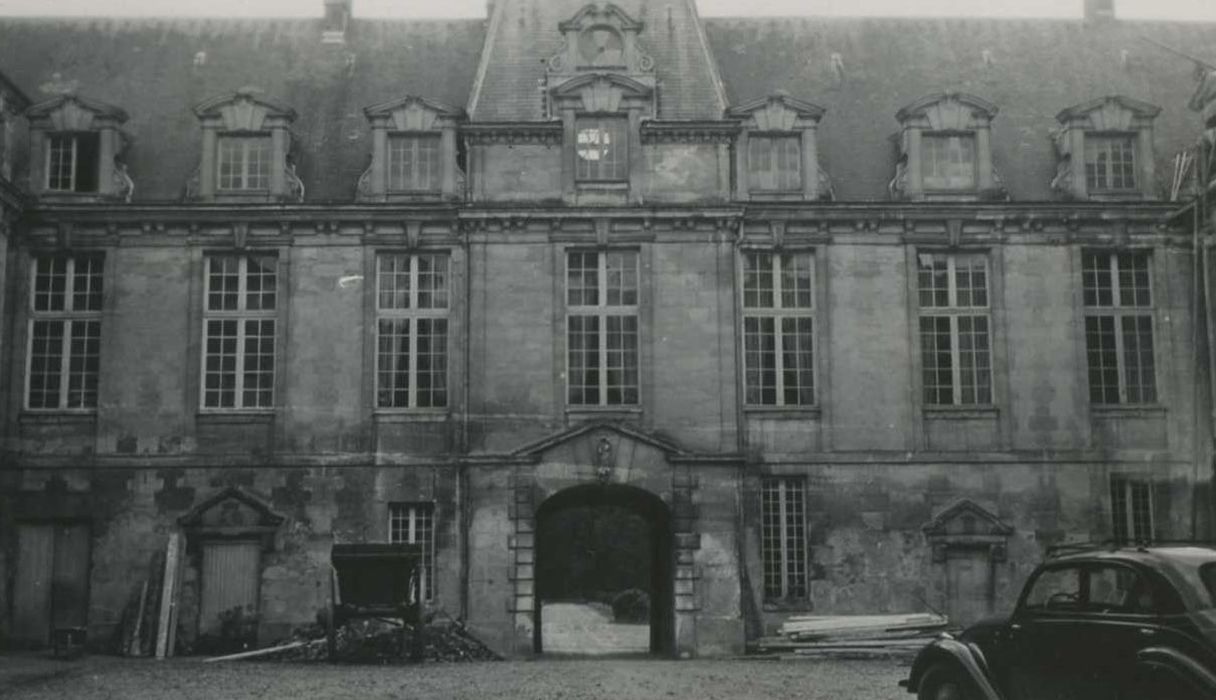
1207 573
1055 589
1118 589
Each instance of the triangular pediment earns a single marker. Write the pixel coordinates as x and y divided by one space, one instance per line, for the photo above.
966 519
621 437
777 100
75 113
231 510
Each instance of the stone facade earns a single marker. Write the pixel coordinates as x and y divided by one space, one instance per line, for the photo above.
858 490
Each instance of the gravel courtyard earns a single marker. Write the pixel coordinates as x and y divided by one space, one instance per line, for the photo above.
29 676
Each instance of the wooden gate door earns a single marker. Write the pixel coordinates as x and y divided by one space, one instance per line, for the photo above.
969 585
231 579
52 582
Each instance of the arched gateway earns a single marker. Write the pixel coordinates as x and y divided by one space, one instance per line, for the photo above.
603 509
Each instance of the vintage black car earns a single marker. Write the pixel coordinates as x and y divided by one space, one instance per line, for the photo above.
1108 622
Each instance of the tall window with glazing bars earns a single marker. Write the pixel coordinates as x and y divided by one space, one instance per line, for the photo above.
783 537
602 327
1119 327
412 330
239 332
955 339
65 332
779 328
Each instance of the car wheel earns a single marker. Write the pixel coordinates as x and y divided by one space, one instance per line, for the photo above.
946 682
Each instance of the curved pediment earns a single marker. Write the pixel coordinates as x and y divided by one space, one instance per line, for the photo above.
948 111
75 113
1110 113
247 109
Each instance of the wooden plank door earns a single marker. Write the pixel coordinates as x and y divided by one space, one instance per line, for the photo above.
231 578
969 586
32 590
70 577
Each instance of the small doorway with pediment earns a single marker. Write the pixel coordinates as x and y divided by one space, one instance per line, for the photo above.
227 535
969 542
603 572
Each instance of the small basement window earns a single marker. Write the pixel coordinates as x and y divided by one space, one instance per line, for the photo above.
72 161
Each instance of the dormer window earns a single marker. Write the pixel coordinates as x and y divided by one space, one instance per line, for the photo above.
945 151
1105 150
1110 163
948 161
414 154
76 145
777 156
774 163
413 162
72 163
246 147
602 149
244 162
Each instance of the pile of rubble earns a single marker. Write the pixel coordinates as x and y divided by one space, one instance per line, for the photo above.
379 641
852 636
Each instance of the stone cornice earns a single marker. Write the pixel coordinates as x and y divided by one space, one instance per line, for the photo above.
512 133
689 131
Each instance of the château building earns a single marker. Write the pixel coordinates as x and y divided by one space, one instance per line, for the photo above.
853 315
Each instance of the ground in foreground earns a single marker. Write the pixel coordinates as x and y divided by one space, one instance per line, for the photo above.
28 676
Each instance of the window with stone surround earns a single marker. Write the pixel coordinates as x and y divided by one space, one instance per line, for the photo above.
65 332
1119 327
774 162
779 328
602 327
602 150
1131 505
414 523
72 161
947 161
783 537
239 332
955 329
243 162
413 163
1110 162
412 301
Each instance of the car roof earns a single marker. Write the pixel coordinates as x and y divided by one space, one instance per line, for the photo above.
1178 563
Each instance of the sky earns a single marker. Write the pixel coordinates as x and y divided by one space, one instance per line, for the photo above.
1140 9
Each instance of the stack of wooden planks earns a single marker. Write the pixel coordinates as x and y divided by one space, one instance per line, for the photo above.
852 636
149 622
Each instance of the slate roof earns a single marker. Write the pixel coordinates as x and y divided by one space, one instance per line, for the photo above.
523 33
147 67
1035 68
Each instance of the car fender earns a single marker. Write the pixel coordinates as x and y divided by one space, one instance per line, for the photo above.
1196 673
968 657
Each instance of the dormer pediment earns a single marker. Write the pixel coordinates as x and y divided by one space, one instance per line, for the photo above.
413 113
777 112
602 92
1110 113
75 113
948 112
246 109
601 13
